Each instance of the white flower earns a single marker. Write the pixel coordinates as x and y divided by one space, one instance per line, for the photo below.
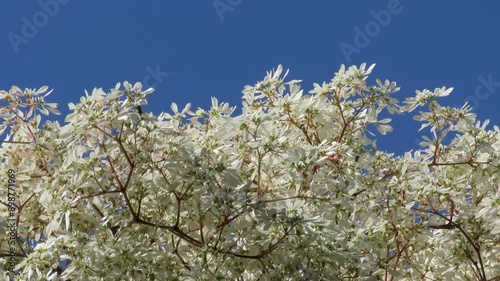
294 177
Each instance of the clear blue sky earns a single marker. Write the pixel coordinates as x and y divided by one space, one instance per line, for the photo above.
214 48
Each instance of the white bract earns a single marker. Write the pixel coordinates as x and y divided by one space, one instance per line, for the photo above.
294 188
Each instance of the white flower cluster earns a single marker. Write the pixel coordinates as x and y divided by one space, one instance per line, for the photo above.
294 188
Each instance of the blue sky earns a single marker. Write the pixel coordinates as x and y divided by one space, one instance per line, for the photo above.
192 50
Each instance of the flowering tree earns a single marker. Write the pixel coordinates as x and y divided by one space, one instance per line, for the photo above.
294 188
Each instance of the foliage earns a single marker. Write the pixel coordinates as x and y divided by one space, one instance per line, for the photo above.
294 188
